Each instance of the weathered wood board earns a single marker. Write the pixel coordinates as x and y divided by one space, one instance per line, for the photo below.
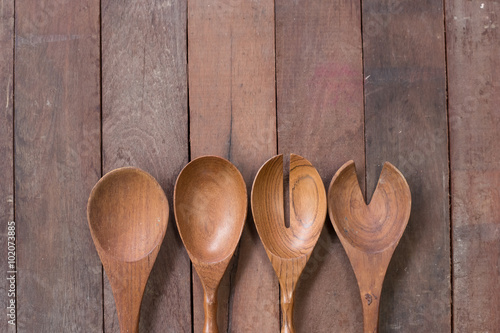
57 162
8 228
320 117
406 124
232 115
145 124
474 96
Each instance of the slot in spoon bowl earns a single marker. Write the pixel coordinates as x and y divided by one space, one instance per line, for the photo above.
369 233
288 248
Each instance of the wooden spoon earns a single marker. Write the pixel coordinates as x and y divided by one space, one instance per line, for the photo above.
288 248
128 215
369 233
210 205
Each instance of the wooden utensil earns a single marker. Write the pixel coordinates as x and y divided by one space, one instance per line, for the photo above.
288 248
369 233
210 205
128 215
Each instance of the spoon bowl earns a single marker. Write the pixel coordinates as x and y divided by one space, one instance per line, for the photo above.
128 215
210 205
369 233
288 248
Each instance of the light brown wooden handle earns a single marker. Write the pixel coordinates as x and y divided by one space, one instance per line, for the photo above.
132 327
128 306
210 308
371 302
287 312
287 318
129 322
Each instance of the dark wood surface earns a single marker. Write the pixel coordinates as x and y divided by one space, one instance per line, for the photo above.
144 124
320 117
405 124
474 99
6 160
90 86
232 114
57 162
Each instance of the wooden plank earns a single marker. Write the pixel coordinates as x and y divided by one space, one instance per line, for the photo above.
57 161
232 114
145 122
405 124
320 117
473 47
7 232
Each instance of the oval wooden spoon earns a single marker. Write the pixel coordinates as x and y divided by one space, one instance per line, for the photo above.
288 248
128 215
369 233
210 205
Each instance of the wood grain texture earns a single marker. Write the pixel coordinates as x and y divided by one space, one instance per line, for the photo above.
473 44
145 125
369 232
128 216
288 246
405 124
232 115
320 116
57 161
6 150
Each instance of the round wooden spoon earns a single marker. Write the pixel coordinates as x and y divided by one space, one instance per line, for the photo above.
288 248
210 205
128 215
369 233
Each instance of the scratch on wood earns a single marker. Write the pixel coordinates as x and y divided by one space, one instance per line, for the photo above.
373 91
35 40
8 91
461 19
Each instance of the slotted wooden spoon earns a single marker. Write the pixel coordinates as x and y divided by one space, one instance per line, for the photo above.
128 215
369 233
288 248
210 205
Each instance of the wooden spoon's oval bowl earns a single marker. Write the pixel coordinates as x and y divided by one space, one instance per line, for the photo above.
375 227
210 205
128 214
307 207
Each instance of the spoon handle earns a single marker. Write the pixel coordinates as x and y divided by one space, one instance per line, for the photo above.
128 306
210 308
128 324
371 302
287 311
128 281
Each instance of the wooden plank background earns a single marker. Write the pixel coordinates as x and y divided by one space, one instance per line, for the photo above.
7 153
144 124
232 114
57 161
320 116
405 123
89 86
474 99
